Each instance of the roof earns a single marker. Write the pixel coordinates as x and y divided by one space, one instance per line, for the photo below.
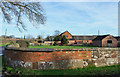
52 36
83 37
64 32
117 37
100 37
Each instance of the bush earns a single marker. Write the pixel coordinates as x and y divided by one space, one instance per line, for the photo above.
57 38
12 44
23 43
56 43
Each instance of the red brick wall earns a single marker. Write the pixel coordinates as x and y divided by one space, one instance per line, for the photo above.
61 59
46 56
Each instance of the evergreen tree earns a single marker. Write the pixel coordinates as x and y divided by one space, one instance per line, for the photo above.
24 36
39 37
64 41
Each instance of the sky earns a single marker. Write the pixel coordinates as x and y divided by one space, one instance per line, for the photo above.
79 18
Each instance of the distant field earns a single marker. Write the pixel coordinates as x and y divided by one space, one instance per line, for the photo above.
60 47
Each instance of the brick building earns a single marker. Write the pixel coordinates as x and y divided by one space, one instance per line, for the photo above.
118 39
72 39
95 40
105 41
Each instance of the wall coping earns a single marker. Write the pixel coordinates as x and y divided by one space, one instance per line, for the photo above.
52 49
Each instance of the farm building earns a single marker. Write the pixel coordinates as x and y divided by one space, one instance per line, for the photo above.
77 38
105 41
118 39
95 40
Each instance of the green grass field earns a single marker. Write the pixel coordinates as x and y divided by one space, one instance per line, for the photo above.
3 44
61 47
107 70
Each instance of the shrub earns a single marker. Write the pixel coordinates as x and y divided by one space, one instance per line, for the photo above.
23 43
12 42
56 43
57 38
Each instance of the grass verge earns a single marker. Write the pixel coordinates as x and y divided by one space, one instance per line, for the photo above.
61 47
3 44
107 70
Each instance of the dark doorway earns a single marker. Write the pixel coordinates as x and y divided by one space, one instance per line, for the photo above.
109 43
39 41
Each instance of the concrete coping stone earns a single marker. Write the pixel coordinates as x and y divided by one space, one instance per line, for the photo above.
52 49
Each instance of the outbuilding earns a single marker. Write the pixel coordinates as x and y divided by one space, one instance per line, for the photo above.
105 41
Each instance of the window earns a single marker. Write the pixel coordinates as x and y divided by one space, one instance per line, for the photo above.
39 41
66 35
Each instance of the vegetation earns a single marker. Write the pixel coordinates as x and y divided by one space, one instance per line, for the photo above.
33 11
61 47
39 37
4 44
24 36
57 38
86 71
56 33
64 41
23 43
56 43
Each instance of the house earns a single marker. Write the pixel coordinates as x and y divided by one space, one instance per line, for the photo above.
105 41
95 40
72 39
84 39
66 34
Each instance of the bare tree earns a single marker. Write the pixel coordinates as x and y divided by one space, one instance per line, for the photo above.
16 10
29 37
56 32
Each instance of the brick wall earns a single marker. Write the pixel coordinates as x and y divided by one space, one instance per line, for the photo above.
61 59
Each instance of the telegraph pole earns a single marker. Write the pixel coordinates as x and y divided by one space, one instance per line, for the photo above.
5 33
98 32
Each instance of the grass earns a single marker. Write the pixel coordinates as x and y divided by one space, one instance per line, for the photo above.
107 70
3 44
61 47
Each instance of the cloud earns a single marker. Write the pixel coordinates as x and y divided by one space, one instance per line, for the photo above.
83 14
77 0
76 17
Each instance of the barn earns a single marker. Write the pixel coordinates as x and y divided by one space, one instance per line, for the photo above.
105 41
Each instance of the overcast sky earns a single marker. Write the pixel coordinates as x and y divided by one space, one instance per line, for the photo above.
79 18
